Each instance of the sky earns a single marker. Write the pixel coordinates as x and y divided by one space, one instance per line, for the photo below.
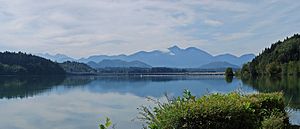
80 28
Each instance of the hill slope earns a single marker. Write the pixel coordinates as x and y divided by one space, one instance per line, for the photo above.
76 67
218 65
283 57
57 57
12 63
118 63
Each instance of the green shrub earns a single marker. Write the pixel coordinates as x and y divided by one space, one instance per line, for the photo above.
107 124
275 121
218 111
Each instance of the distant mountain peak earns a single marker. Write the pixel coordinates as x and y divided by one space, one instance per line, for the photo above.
57 57
247 55
191 57
58 54
174 48
192 48
227 55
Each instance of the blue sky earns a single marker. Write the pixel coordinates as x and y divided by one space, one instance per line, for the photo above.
90 27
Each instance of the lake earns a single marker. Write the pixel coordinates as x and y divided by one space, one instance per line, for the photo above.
81 102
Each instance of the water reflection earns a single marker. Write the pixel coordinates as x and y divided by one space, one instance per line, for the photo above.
158 86
27 86
290 86
78 102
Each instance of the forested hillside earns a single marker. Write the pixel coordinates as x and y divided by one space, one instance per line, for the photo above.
282 58
12 63
76 67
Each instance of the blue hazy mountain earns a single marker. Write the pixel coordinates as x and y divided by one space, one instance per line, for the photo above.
219 65
191 57
57 57
117 63
234 59
175 57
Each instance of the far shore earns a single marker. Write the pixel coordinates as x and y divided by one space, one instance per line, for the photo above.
152 74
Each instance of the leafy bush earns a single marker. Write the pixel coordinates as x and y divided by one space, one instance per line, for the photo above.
275 121
218 111
107 124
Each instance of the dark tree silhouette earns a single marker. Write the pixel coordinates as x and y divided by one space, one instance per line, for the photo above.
12 63
282 58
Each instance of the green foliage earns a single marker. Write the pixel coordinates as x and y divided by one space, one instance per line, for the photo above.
229 72
282 58
274 121
245 72
273 69
106 125
76 67
12 63
218 111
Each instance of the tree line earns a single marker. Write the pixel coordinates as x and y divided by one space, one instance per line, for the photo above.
282 58
12 63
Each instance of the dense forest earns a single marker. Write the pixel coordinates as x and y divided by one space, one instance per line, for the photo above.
76 67
12 63
282 58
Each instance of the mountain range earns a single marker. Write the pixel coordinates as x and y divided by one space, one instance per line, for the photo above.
117 63
60 58
191 57
219 65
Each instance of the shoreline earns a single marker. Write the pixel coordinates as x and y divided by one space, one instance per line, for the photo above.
153 74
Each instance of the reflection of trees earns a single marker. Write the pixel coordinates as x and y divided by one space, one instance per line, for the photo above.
83 80
228 79
289 85
150 78
26 86
74 81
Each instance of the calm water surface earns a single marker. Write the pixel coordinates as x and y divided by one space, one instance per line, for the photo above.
80 102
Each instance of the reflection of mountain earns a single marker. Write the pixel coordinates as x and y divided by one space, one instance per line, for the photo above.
289 85
73 81
21 86
157 86
139 86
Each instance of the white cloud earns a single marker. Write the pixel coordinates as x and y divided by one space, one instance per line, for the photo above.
86 27
233 36
213 22
76 25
